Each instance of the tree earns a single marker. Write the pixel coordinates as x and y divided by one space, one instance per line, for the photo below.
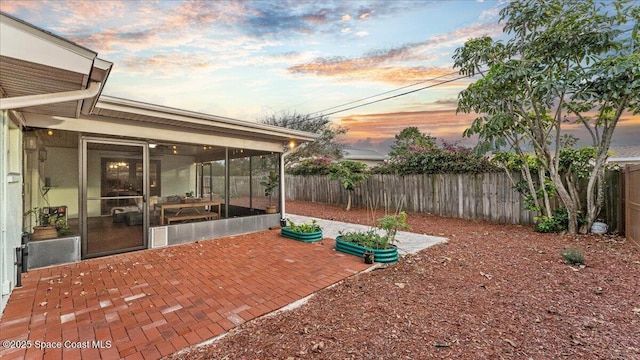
324 146
350 174
566 61
411 139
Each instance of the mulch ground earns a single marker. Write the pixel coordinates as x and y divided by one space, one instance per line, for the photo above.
492 291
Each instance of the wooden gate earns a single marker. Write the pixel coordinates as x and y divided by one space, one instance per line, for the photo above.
632 202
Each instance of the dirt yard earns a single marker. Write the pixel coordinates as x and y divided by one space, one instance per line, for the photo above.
493 291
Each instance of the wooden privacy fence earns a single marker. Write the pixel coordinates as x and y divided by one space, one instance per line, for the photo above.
632 202
488 196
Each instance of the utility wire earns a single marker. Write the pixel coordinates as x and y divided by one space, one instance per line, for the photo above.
389 97
383 93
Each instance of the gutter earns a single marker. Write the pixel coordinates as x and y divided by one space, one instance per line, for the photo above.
18 102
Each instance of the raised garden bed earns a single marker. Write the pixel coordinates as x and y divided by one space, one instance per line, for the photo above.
301 236
389 255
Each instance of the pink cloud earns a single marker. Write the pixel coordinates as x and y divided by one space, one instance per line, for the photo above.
391 65
14 6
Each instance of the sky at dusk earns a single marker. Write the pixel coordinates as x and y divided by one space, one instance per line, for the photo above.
252 59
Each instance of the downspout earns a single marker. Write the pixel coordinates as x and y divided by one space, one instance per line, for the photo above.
18 102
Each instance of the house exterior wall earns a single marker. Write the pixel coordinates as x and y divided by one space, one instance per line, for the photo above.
61 167
10 204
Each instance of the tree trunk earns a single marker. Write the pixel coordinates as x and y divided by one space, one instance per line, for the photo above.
348 200
545 195
594 205
565 197
596 178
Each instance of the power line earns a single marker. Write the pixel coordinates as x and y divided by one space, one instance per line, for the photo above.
383 93
389 97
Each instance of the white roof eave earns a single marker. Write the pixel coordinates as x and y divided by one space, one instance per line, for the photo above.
162 112
26 42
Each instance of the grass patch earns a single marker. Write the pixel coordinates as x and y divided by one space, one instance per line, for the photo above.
573 256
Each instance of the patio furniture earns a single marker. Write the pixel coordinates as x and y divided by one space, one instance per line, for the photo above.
119 213
188 211
133 218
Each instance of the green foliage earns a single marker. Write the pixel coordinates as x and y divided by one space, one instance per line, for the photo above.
304 228
448 159
546 224
369 239
350 173
578 162
558 222
270 182
391 224
410 139
325 145
573 256
372 239
514 162
35 212
564 59
60 223
310 166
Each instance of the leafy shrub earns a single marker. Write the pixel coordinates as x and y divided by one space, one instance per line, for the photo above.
573 256
448 159
369 239
310 166
558 222
392 223
372 239
514 162
304 228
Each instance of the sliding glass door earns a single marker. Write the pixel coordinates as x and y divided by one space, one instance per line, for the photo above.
115 185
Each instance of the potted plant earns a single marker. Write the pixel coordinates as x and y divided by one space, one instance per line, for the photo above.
382 247
60 223
270 183
49 227
44 230
302 232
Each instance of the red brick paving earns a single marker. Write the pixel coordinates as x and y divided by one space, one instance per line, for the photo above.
151 303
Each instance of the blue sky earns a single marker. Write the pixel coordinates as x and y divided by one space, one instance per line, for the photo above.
251 59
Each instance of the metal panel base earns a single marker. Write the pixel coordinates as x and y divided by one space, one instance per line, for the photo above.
206 230
53 252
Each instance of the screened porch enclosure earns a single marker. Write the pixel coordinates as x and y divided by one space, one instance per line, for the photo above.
246 173
231 177
133 185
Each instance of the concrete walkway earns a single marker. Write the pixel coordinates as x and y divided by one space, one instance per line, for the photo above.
408 243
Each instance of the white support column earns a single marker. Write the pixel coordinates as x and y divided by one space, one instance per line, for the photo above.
5 283
282 209
227 183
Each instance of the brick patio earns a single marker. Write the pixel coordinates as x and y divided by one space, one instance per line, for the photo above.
151 303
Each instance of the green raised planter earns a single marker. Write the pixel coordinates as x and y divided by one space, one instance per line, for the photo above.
300 236
381 255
